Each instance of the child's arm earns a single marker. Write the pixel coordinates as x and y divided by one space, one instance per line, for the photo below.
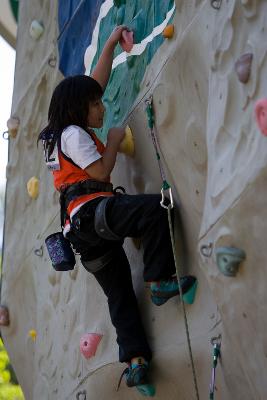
101 169
102 69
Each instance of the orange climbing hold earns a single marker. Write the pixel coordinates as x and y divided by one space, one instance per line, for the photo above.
168 32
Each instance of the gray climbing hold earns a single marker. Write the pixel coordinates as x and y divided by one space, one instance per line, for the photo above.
228 260
243 67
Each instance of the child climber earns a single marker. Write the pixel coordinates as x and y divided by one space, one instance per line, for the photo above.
81 167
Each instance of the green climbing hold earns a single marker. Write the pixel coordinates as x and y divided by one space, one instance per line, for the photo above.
146 390
189 296
228 260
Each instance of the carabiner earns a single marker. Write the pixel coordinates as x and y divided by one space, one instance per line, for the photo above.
163 198
216 340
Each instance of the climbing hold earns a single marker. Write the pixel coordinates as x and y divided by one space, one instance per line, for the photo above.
4 316
189 296
261 115
146 390
168 32
127 145
228 259
243 67
12 126
89 343
127 40
36 29
33 187
32 334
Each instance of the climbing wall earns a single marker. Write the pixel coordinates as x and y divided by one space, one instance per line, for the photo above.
214 154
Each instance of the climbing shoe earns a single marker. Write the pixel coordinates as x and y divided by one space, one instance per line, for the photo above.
163 290
136 373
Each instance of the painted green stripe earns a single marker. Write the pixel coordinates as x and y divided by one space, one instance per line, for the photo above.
14 4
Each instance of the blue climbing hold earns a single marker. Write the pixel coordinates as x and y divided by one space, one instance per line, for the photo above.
228 260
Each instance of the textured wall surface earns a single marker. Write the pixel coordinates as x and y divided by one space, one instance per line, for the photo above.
215 159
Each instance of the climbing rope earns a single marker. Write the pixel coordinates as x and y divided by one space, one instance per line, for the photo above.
167 187
216 342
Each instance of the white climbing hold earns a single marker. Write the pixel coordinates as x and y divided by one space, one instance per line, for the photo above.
13 126
36 29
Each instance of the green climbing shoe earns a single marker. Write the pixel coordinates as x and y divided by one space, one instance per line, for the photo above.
162 291
136 373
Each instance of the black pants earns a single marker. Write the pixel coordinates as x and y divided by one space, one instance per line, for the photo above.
127 216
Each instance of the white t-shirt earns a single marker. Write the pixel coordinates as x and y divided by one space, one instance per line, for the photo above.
77 144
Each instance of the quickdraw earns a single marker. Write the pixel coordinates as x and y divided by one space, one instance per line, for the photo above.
169 205
216 343
166 188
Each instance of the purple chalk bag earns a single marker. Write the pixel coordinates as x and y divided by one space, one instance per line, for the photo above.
60 252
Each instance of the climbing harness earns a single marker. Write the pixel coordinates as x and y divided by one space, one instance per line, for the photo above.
166 188
216 343
216 4
101 224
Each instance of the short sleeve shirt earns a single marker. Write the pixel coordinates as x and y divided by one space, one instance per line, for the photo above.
78 145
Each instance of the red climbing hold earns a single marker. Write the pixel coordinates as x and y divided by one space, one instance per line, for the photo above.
89 343
261 115
127 40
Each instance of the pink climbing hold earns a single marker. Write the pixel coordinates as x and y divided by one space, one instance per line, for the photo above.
127 40
261 115
89 343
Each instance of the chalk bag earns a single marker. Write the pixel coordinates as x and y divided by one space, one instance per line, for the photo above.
60 252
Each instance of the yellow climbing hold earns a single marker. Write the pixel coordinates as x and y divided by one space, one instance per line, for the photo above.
32 333
12 126
127 145
33 187
168 32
